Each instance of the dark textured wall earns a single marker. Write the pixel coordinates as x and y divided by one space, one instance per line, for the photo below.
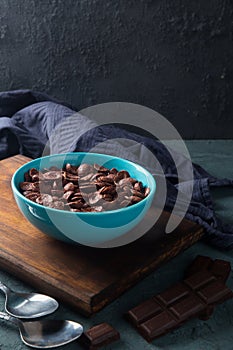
175 56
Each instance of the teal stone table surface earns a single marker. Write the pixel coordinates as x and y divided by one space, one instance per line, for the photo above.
214 334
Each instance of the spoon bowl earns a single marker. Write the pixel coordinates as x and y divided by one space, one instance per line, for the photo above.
27 305
49 333
46 334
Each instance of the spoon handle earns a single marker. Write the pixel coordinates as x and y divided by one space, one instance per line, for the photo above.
9 318
4 288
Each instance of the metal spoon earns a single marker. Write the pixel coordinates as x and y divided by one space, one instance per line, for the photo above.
27 305
45 334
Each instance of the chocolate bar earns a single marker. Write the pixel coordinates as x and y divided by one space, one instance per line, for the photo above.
202 289
99 336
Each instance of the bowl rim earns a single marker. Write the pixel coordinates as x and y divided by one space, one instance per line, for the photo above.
102 155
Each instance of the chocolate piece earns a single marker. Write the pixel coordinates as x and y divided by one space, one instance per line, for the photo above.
144 311
187 308
99 336
171 295
196 296
216 292
199 279
157 326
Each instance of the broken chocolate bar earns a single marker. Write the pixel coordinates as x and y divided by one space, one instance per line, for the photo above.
98 336
219 268
202 289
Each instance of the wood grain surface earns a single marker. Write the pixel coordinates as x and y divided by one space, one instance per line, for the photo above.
86 278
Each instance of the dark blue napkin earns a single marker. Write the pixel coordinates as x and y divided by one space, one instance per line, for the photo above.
27 123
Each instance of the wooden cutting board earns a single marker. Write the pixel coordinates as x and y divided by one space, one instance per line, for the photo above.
86 278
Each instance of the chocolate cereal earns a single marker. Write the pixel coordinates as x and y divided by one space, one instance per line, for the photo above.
83 188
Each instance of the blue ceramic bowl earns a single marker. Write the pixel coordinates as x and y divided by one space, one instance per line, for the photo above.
90 228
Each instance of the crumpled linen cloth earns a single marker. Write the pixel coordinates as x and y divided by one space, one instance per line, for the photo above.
29 122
